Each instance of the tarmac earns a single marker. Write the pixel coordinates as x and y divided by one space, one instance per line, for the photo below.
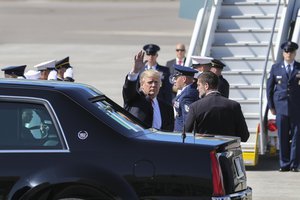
101 39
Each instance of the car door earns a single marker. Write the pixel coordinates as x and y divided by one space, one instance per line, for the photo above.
30 138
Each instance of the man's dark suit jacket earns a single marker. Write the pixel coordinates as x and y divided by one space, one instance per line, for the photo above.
165 91
170 64
140 106
217 115
223 86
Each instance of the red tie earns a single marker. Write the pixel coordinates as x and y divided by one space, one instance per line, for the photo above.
179 62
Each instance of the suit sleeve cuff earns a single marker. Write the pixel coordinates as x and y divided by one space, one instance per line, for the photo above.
132 76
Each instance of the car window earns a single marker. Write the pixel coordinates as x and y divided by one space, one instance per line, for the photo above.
118 116
27 126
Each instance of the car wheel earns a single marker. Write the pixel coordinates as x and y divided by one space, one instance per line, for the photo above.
81 192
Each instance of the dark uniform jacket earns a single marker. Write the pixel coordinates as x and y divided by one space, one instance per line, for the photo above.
181 104
217 115
223 86
283 93
140 106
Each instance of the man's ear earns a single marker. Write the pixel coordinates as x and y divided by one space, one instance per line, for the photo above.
184 79
206 86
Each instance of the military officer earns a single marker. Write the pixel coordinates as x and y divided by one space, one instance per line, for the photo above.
183 80
217 68
68 75
14 71
45 68
61 66
165 91
283 94
32 74
201 64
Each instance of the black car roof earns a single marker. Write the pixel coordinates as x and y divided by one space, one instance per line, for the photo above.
62 86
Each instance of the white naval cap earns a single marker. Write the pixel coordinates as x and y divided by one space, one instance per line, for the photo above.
52 75
201 60
68 73
46 65
32 74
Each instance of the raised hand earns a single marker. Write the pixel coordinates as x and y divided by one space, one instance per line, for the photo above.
138 62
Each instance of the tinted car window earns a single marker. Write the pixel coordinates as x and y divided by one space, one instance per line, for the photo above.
118 116
27 126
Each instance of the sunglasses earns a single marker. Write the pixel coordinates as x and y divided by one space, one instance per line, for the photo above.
288 51
180 49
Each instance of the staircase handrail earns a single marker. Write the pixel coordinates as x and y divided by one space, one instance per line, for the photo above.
270 47
198 33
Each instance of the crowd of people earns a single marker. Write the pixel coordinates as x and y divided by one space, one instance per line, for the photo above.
200 101
173 97
195 98
59 70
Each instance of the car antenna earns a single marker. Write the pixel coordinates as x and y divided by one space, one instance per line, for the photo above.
183 134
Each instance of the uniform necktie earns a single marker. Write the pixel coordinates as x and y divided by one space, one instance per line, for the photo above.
289 71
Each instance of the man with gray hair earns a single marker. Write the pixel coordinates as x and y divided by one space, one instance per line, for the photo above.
142 101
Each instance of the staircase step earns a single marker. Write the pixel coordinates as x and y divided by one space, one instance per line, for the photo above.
243 78
249 1
242 36
239 50
246 8
246 22
252 120
239 93
245 63
249 106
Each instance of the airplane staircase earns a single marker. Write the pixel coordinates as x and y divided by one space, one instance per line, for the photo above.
245 35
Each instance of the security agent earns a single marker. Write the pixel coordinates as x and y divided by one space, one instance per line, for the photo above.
183 80
61 66
217 68
45 68
283 94
151 63
214 114
14 71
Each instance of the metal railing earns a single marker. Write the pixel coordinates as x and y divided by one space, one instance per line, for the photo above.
199 31
263 80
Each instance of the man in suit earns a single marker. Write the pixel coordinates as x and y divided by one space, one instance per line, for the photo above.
150 62
215 114
283 94
178 60
183 79
217 68
143 101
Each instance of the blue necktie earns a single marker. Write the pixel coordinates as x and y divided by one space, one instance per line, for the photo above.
289 71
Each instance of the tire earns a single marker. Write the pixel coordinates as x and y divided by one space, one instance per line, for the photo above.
81 192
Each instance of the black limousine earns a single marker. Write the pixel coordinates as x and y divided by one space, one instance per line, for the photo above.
69 141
